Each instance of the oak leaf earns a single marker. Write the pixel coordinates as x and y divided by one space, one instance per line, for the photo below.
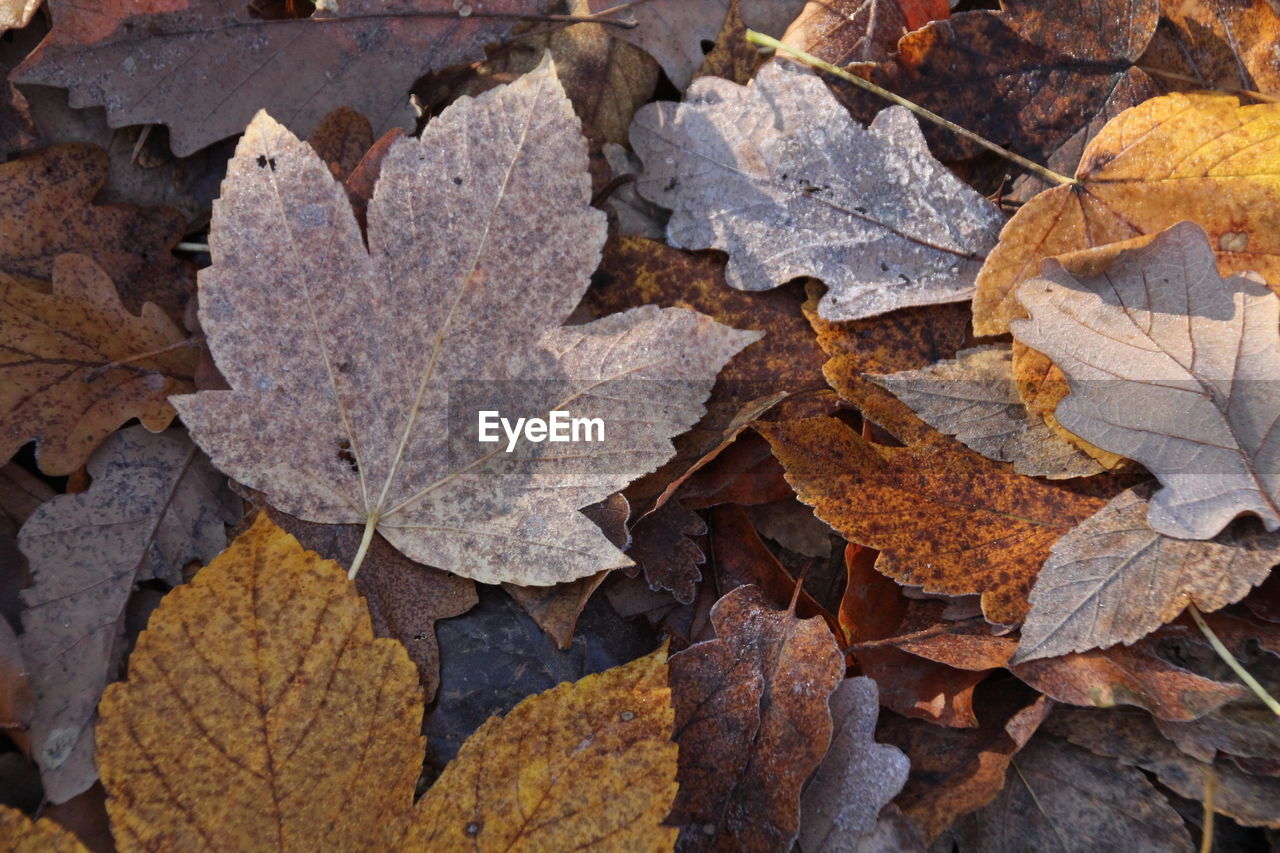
857 777
1203 158
358 56
750 705
155 504
583 764
973 397
1100 806
779 176
1175 368
47 209
261 712
1113 579
76 365
357 374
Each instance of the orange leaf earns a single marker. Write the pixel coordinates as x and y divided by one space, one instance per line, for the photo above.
21 835
260 712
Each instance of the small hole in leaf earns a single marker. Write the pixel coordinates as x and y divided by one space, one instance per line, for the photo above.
707 46
457 182
272 163
473 828
345 454
262 161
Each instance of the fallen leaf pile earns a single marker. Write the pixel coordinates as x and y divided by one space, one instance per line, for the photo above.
513 424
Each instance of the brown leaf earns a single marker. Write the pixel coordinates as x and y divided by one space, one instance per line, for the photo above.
1202 158
846 31
750 705
1219 46
732 57
1113 579
1101 806
942 516
664 550
405 598
592 763
77 365
973 397
1140 674
1029 77
745 473
14 14
767 173
1131 738
21 493
260 712
155 504
300 68
44 836
341 139
47 209
956 771
16 702
1173 367
857 777
363 409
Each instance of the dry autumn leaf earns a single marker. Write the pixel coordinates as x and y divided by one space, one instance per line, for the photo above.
22 835
76 365
1202 158
354 57
155 504
1102 806
364 409
588 764
261 713
750 705
779 176
846 31
857 777
47 209
942 516
1175 368
1217 45
973 397
1113 579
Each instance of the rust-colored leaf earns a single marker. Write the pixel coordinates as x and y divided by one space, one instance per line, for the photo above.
942 516
76 365
843 32
585 764
1203 158
260 712
750 705
664 550
47 209
1218 45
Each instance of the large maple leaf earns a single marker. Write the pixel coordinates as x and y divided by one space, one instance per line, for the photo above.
357 374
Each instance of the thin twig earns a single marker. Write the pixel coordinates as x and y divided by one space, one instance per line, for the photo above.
822 65
191 247
1230 660
1206 824
1187 78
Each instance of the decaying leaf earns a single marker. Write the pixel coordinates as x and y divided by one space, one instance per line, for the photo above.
750 705
846 31
1175 368
973 397
942 516
778 175
955 771
1113 579
1133 739
664 550
1062 797
260 712
47 209
76 365
857 777
21 835
357 58
1219 45
583 764
155 504
1202 158
357 374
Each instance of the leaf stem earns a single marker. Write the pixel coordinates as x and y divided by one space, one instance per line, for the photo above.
822 65
370 527
1230 659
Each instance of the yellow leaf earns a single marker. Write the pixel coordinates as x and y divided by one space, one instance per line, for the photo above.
1178 157
21 835
261 713
583 765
